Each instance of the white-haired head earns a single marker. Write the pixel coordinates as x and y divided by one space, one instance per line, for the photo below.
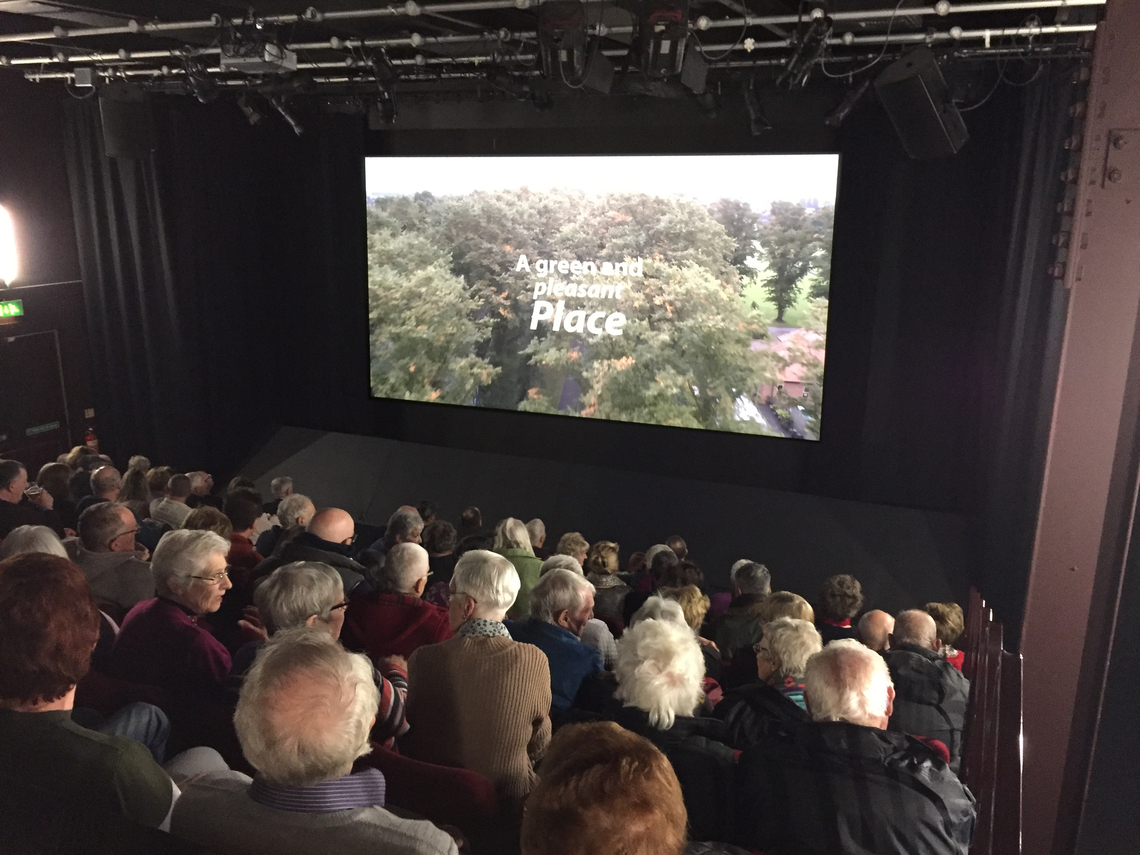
295 509
281 486
561 562
655 550
847 682
294 593
512 534
791 643
536 528
406 569
660 608
181 555
660 669
32 538
564 598
305 709
489 580
916 627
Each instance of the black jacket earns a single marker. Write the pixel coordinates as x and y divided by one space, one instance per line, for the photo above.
749 710
832 788
931 696
309 547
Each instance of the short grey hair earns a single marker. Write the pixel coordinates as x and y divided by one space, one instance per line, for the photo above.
292 507
557 591
32 538
139 463
99 524
279 485
105 479
401 524
792 643
660 608
181 554
561 562
197 478
660 669
915 626
489 579
512 534
293 593
751 577
536 528
404 565
305 709
847 682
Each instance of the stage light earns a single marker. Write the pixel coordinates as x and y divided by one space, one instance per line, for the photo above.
836 117
281 108
562 40
808 45
250 110
9 266
756 115
663 30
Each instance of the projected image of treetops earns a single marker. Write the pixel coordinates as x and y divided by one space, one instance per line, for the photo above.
642 293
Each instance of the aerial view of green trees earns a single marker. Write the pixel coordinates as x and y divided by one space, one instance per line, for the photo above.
732 301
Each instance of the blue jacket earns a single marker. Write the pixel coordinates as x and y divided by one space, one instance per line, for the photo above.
571 661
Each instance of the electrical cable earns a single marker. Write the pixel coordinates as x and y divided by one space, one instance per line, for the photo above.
876 60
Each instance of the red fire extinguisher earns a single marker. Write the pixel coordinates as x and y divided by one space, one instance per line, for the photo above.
90 439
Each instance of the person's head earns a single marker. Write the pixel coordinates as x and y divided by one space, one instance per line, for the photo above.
471 543
54 478
404 526
636 563
334 525
785 604
572 543
281 486
536 528
295 509
471 518
108 527
512 534
138 463
564 562
201 483
658 607
916 627
306 708
602 558
847 682
243 508
178 487
304 593
406 570
206 518
563 598
678 545
693 603
660 669
427 511
785 649
106 483
32 538
875 629
49 624
840 598
751 577
76 455
665 570
484 585
190 568
438 538
949 621
602 788
240 482
157 479
13 481
134 487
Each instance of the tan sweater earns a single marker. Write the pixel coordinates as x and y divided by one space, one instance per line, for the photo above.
481 704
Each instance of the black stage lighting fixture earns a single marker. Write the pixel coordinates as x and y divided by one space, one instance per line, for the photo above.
562 40
663 29
695 70
758 119
837 116
808 45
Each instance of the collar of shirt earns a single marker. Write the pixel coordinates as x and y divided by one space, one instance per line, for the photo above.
360 790
845 624
480 628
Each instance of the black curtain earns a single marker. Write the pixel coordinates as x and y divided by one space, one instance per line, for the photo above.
173 288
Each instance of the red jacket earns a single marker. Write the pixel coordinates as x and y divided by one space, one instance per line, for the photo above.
392 624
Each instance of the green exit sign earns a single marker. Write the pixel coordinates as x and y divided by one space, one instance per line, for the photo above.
11 308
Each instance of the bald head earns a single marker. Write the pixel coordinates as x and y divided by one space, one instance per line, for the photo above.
875 629
915 627
333 525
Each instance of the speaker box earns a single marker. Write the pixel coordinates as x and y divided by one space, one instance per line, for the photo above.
128 124
916 97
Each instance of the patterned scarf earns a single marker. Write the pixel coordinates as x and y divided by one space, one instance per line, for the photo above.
480 628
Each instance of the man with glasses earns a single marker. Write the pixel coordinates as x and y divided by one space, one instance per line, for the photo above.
114 564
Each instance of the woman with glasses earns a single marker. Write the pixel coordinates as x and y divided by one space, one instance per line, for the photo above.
481 700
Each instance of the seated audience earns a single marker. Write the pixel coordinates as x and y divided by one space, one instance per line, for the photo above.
55 477
561 604
678 545
393 620
512 541
536 528
327 538
172 508
138 463
572 543
931 695
439 539
601 569
209 518
427 511
63 788
135 489
740 626
842 784
106 552
839 601
780 604
280 487
602 788
778 693
875 628
695 605
21 505
106 482
481 700
596 633
950 624
32 538
664 572
201 487
303 718
157 480
293 514
243 508
404 526
471 523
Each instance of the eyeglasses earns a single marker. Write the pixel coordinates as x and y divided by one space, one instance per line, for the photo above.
131 531
453 594
343 605
214 580
758 648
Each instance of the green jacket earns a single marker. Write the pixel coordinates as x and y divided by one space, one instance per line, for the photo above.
529 567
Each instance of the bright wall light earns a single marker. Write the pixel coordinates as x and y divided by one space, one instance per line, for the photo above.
8 264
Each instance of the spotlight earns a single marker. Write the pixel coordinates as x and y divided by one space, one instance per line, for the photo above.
280 107
663 29
562 40
837 116
245 103
808 46
756 115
